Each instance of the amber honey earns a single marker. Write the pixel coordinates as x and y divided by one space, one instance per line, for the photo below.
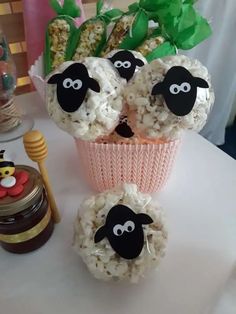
25 220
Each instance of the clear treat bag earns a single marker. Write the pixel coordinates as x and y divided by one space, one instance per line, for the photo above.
120 234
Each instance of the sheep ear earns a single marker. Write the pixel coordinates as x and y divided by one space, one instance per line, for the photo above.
54 79
157 89
144 219
100 234
201 82
139 62
93 84
111 59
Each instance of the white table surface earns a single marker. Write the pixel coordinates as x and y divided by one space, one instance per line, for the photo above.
200 203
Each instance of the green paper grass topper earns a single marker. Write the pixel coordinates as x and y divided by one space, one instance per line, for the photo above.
180 24
161 8
185 29
69 7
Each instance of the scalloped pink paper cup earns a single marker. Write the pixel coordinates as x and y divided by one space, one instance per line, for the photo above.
108 165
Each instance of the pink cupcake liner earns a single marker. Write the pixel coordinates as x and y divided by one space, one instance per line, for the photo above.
109 165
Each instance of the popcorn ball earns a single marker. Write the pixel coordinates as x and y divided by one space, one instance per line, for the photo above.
170 95
120 234
85 99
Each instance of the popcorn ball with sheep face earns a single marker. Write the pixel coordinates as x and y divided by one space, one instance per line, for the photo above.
85 98
120 234
170 95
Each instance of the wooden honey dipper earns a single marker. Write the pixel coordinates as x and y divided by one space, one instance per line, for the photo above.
36 149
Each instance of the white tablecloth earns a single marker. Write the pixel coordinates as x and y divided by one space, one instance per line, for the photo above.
200 203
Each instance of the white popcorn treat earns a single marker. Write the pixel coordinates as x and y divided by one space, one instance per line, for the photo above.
101 259
99 112
153 119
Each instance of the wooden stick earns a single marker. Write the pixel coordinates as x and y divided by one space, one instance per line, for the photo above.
55 212
36 149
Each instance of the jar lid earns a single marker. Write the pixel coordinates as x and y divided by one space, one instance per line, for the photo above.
10 205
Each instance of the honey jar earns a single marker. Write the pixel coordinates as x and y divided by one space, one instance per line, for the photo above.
25 217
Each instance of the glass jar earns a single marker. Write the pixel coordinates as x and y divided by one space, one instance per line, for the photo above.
25 220
13 124
7 72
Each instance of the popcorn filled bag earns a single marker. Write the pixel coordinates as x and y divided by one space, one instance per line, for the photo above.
126 98
120 234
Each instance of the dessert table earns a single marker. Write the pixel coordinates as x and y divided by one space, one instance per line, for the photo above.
199 201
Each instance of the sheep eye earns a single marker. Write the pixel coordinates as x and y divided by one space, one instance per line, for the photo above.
185 87
118 230
129 226
77 84
174 89
118 64
67 83
127 64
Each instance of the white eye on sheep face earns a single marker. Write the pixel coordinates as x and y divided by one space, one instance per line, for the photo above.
67 83
118 64
126 64
174 89
185 87
118 230
77 84
129 226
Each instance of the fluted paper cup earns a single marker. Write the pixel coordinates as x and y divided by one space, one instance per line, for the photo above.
108 165
37 77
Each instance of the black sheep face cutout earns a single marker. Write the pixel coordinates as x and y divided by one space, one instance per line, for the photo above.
126 63
72 86
124 231
179 90
123 129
